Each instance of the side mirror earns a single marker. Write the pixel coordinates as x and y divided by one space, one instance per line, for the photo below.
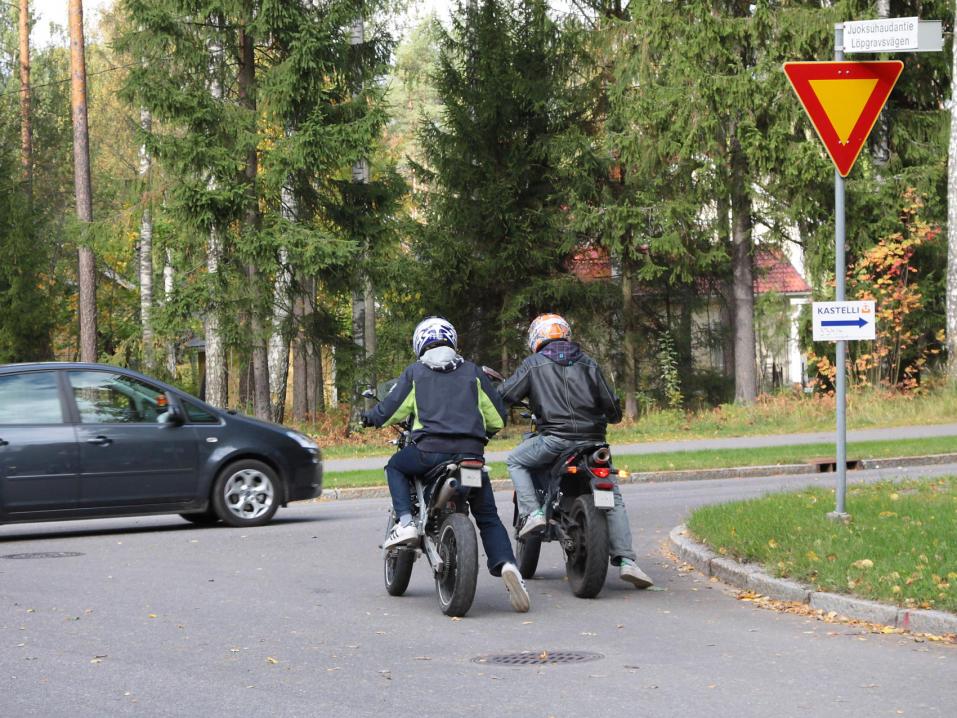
174 414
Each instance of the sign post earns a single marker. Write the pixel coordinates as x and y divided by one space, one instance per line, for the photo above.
843 101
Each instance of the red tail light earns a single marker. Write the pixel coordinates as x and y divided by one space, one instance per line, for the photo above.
601 473
604 485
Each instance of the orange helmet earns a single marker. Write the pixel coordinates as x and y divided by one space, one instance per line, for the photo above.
545 328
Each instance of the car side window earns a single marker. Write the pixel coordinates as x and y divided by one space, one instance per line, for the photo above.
108 398
197 415
30 398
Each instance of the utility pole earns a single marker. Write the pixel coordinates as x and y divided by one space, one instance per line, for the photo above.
86 274
26 127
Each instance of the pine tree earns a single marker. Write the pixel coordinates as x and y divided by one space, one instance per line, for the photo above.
494 238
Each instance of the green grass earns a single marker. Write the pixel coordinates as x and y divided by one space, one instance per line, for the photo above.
679 460
899 547
778 414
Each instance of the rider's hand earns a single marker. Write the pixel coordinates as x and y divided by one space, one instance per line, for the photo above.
365 419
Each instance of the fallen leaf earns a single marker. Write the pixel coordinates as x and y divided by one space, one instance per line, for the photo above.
270 659
152 615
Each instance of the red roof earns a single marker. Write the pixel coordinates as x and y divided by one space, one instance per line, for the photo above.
773 272
590 263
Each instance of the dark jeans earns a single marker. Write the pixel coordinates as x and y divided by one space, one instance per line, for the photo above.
411 461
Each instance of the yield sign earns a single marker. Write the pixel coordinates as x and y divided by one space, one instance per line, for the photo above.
843 100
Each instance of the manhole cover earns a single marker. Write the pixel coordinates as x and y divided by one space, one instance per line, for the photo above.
46 554
542 658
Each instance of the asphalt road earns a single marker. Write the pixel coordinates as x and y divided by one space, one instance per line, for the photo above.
161 618
736 442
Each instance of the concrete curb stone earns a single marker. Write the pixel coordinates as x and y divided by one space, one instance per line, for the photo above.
752 578
858 608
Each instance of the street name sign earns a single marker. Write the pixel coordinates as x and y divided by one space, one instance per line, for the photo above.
843 321
843 101
897 34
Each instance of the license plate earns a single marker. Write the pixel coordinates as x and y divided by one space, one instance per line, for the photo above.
471 478
605 499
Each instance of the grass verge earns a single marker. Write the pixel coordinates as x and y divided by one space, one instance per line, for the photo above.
899 548
713 459
778 414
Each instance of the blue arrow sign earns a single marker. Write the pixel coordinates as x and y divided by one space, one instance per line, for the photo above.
859 322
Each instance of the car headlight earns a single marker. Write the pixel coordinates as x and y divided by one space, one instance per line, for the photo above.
304 441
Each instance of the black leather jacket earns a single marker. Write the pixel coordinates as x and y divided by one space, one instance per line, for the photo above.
566 391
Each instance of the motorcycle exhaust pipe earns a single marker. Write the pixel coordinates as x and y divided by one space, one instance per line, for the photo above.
602 456
445 493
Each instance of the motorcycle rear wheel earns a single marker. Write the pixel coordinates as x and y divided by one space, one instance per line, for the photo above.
458 548
586 564
398 565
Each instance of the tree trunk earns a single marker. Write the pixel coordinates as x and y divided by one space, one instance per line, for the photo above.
146 252
86 274
333 379
630 341
370 336
260 357
168 278
26 127
280 338
880 140
216 390
951 310
313 386
299 362
745 368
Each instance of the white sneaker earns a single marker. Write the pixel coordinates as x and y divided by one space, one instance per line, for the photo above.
517 593
533 522
401 535
629 571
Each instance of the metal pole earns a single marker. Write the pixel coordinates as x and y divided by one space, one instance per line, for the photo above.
839 360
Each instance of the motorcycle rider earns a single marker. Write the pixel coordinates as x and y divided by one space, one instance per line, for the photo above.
572 403
455 410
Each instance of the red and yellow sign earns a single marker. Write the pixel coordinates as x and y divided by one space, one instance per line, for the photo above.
843 101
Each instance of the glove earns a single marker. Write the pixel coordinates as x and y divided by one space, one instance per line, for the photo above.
365 419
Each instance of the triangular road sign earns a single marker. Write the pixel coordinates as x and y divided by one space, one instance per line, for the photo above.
843 100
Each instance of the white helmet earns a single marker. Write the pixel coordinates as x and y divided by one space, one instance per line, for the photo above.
545 328
433 330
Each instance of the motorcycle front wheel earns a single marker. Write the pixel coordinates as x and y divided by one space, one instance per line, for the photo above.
458 549
527 551
586 562
398 565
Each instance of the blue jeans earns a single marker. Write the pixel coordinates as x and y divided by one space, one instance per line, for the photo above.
412 461
538 452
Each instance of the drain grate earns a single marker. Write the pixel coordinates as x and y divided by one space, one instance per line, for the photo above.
542 658
46 554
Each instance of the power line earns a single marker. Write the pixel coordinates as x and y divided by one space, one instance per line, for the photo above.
64 81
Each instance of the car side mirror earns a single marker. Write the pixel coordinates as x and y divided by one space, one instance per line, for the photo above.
174 414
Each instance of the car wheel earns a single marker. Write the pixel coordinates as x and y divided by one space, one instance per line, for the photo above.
203 518
246 493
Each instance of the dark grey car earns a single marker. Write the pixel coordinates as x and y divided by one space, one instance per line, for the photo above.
92 440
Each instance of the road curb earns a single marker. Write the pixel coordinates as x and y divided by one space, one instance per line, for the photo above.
751 577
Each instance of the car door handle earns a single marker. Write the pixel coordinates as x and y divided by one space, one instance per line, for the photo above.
100 441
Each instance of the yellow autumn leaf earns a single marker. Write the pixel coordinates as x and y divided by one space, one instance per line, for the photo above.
273 661
863 563
811 556
772 543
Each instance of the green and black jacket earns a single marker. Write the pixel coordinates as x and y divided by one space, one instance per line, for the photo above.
455 408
